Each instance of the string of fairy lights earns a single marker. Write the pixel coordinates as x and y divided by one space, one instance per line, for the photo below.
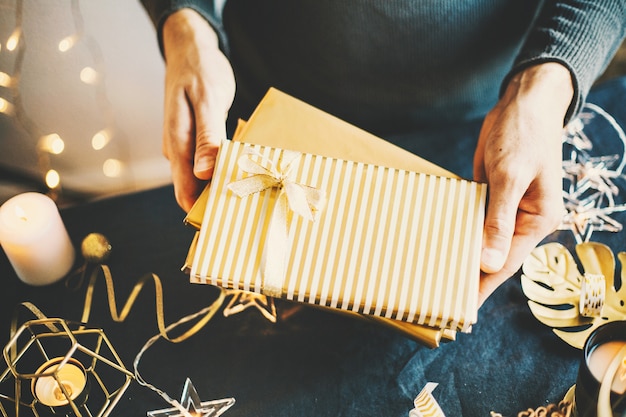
50 145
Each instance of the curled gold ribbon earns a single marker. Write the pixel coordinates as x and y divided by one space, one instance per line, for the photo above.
14 324
121 316
301 199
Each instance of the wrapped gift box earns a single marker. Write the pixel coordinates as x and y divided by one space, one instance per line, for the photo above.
390 242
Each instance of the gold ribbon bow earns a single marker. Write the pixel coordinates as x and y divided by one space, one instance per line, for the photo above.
301 199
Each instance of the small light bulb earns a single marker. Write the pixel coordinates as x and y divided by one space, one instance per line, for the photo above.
57 146
52 143
89 75
53 179
100 139
5 79
67 43
5 106
112 168
14 39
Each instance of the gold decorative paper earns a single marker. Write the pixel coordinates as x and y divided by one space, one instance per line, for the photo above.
390 242
554 285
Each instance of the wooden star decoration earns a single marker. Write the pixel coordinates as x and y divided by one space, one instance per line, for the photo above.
582 221
574 133
243 300
588 174
591 183
191 406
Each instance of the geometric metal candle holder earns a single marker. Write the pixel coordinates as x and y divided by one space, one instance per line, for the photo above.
61 368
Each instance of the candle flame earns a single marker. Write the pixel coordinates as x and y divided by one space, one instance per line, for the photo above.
20 213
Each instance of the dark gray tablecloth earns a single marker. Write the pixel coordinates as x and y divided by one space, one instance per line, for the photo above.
312 363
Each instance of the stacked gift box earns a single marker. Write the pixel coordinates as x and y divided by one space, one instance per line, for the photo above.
306 207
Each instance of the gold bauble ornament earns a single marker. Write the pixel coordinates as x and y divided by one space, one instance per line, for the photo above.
95 248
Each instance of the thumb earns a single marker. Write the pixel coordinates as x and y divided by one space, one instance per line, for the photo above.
210 131
499 228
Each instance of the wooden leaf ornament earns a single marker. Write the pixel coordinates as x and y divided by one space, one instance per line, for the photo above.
558 293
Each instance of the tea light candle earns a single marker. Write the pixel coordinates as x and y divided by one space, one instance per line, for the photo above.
34 239
71 376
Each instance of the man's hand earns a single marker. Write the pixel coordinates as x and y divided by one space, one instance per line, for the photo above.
519 156
199 90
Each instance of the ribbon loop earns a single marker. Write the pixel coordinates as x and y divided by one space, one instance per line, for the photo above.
301 199
253 184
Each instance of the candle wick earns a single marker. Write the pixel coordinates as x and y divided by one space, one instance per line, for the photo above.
58 391
21 214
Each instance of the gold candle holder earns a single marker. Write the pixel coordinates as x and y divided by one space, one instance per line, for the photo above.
604 345
62 380
55 367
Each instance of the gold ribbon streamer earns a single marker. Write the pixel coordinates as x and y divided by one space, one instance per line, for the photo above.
126 309
14 323
301 199
121 316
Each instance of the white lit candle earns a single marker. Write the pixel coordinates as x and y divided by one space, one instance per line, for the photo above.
70 375
599 360
34 239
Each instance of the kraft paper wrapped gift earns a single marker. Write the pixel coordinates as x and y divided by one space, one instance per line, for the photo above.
389 242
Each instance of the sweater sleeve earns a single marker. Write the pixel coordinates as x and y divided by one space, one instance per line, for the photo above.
211 10
583 35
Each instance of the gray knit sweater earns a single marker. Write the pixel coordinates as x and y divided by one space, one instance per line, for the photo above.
390 66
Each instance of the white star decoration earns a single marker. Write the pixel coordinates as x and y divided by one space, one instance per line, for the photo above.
191 406
590 187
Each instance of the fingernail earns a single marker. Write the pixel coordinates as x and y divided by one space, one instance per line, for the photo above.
492 260
203 165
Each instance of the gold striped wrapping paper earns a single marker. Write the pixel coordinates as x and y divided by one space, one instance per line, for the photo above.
391 243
